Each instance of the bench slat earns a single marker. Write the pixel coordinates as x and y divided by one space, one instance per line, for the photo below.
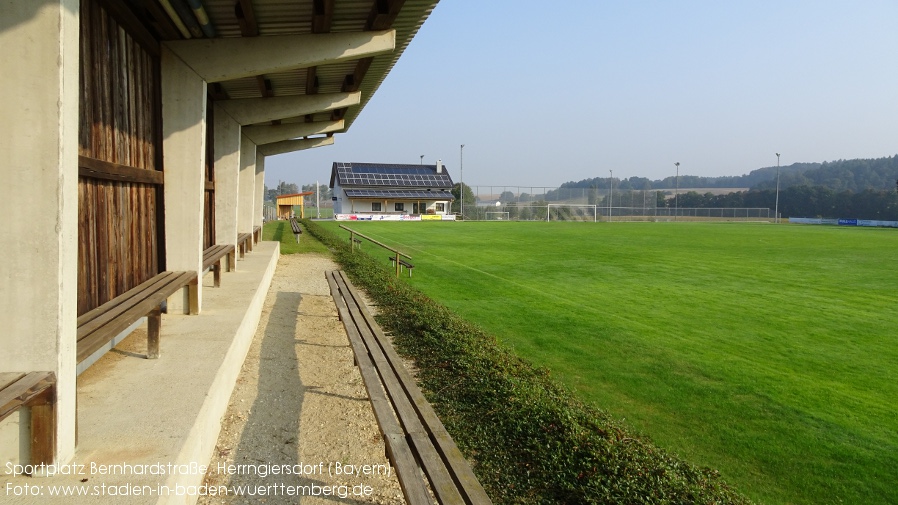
398 450
94 318
425 416
24 390
441 482
7 378
215 253
94 334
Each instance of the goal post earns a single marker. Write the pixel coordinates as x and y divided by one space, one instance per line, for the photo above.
571 212
497 216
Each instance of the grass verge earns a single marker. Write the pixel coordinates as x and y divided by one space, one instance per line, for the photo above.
279 231
532 441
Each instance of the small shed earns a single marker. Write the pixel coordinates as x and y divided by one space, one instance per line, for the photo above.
286 202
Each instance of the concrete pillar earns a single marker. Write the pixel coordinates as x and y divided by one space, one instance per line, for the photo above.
227 171
184 151
260 189
245 203
39 201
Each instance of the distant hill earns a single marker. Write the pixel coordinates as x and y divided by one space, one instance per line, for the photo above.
842 175
854 175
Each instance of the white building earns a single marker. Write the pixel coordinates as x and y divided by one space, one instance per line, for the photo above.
390 191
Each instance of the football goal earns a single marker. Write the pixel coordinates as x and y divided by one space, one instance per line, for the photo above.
565 212
497 216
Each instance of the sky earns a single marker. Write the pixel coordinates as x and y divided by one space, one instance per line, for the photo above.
545 93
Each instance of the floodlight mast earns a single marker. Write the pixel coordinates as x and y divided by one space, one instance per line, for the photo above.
776 208
461 179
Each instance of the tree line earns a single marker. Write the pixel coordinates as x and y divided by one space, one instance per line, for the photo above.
859 188
802 201
854 175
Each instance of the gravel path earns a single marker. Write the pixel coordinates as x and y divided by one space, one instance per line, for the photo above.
300 405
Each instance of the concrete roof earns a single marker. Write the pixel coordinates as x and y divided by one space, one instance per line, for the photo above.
273 19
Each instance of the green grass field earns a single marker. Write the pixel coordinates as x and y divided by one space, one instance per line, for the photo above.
766 352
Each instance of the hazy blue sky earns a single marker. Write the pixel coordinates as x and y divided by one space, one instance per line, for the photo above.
543 93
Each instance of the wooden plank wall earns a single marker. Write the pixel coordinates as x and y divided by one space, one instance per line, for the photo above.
209 193
119 234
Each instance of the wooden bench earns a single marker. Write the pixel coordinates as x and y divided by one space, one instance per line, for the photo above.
297 230
244 243
101 325
257 235
37 391
212 260
402 264
414 436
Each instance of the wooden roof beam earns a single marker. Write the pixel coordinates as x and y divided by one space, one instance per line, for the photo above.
352 81
246 18
312 80
264 86
322 15
250 111
383 14
266 134
224 59
322 19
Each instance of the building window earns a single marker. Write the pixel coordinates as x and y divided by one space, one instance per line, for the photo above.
375 206
400 207
440 207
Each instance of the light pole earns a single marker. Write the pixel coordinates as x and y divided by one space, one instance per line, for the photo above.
422 159
776 209
610 192
461 179
677 193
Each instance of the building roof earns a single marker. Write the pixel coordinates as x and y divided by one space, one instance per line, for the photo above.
304 193
386 175
393 194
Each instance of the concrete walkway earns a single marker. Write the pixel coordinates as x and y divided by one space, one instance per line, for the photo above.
147 428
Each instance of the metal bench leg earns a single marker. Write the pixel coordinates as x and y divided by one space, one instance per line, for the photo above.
154 324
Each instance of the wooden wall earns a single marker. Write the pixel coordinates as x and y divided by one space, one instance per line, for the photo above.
120 238
209 193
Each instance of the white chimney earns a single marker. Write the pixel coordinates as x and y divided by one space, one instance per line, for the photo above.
439 166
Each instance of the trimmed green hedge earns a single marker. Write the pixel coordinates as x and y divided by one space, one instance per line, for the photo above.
531 440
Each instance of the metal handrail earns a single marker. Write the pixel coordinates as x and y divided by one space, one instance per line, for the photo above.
398 253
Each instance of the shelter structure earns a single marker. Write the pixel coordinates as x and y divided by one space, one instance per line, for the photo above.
143 128
385 191
286 203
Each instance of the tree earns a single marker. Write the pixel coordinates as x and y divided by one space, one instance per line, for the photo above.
591 196
286 188
470 199
506 196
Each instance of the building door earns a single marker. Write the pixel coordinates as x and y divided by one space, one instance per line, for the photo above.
415 208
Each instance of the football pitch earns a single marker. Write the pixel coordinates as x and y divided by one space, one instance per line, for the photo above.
766 352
